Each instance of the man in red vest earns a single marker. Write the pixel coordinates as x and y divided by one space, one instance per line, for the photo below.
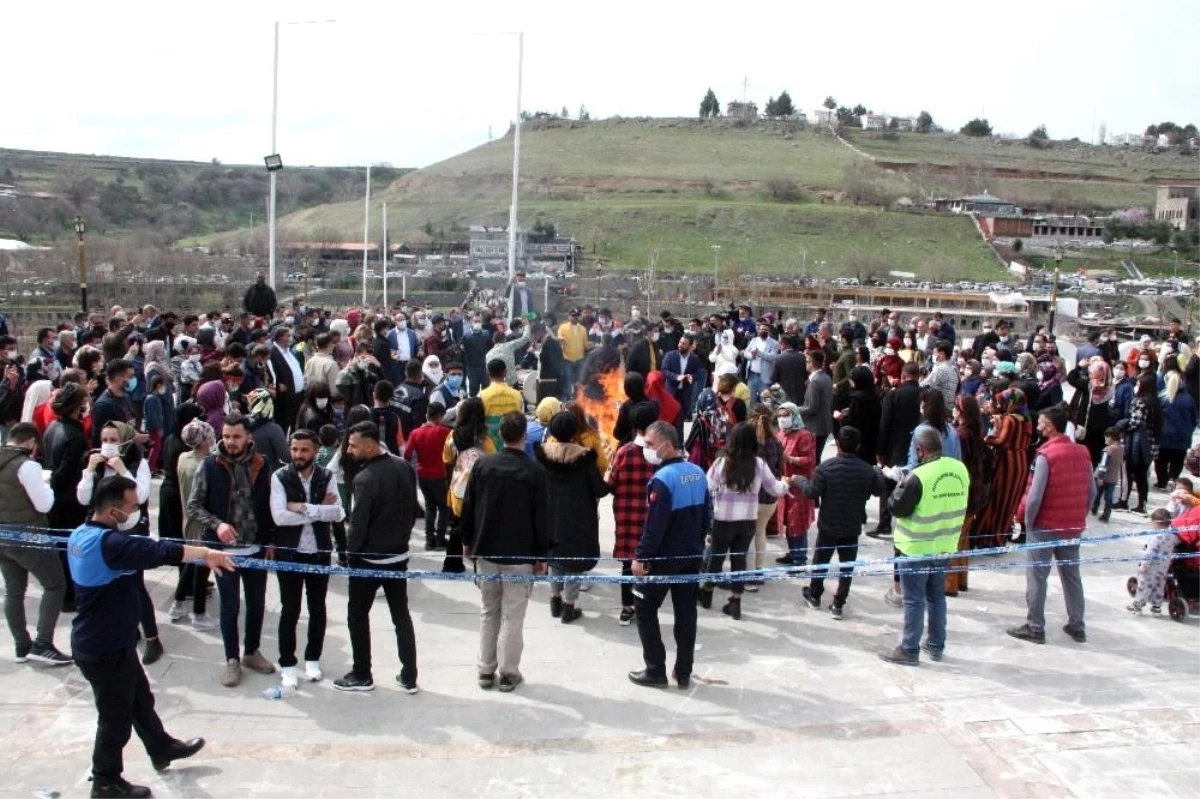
1055 508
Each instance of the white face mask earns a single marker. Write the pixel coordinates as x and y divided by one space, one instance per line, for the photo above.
289 320
402 325
1143 363
131 521
1119 375
322 402
888 351
651 455
908 342
1112 337
1037 347
654 337
852 318
476 327
1042 376
639 441
785 423
987 329
110 450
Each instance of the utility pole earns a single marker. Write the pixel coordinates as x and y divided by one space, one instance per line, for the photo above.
366 234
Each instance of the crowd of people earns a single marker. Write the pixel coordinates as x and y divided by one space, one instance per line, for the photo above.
314 439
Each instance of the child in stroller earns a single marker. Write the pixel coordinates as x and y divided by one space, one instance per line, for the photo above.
1168 571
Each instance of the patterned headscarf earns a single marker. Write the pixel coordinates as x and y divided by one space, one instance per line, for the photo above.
1047 375
1100 377
794 412
1010 401
1026 364
198 433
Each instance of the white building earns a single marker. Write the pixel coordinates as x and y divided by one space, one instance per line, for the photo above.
824 116
873 122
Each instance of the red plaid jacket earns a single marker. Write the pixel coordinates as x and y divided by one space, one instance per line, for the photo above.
628 476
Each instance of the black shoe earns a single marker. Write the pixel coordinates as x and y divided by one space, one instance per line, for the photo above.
1095 508
353 682
704 597
509 682
1160 486
1079 636
556 606
439 542
836 612
810 600
23 652
570 613
1121 505
1107 513
453 565
733 608
1025 633
153 652
46 655
899 656
785 560
487 681
1140 510
880 532
410 688
179 750
933 655
430 543
117 788
683 682
647 680
626 617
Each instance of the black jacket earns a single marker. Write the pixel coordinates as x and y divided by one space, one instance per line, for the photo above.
900 416
382 513
844 484
64 449
573 486
639 359
550 361
863 414
287 537
791 373
504 516
475 348
260 300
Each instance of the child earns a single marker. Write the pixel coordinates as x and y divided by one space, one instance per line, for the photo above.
387 418
329 455
424 450
152 417
1152 571
1183 497
189 372
1108 472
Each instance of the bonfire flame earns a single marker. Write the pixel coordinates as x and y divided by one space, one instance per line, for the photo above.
601 396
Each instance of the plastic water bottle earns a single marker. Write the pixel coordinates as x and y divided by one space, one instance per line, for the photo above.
279 692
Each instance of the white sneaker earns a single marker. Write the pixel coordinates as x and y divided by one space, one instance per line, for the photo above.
312 670
178 611
204 622
289 677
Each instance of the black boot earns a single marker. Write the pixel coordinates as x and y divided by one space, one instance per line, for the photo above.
117 788
1107 511
454 562
704 597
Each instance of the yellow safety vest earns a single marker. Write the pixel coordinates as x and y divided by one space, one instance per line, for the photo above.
936 522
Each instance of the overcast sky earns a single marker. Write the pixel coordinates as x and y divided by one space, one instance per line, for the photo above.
413 86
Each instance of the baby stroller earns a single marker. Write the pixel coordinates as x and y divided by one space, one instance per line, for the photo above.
1181 591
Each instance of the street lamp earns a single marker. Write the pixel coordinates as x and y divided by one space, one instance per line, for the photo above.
1058 257
80 229
716 248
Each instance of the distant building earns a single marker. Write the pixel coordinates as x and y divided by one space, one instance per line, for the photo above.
824 116
489 249
903 124
980 204
873 121
800 117
736 110
1177 205
1016 227
1068 227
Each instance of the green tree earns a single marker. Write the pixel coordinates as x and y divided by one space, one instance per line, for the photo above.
783 105
1038 137
830 103
1181 241
710 106
976 127
924 122
543 227
769 110
565 114
1018 245
860 109
584 116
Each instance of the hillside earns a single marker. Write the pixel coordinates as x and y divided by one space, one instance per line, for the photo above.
164 200
773 195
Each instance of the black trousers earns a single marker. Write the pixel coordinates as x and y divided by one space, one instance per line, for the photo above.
124 703
293 586
627 588
193 579
648 598
733 538
1169 464
362 596
847 552
437 513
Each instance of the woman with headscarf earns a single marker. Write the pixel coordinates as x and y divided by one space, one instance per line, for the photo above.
1089 408
1143 429
432 369
863 412
969 430
669 409
725 352
1027 379
889 365
536 432
343 350
200 439
212 399
1009 439
971 374
170 508
573 487
269 439
771 452
158 364
1050 391
799 458
1179 425
36 394
120 455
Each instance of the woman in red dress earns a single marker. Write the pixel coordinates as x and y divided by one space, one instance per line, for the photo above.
799 458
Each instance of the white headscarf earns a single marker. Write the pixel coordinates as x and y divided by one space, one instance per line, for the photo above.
37 394
433 369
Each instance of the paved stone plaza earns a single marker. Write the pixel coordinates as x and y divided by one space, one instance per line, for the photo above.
785 702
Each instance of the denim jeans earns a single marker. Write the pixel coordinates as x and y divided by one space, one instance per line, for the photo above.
570 376
924 583
230 586
755 384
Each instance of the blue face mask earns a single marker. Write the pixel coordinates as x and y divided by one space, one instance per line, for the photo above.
454 382
131 385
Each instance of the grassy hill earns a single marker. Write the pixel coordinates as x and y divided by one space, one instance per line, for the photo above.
773 195
166 200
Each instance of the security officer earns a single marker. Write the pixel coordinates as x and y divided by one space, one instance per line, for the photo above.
105 563
672 542
928 508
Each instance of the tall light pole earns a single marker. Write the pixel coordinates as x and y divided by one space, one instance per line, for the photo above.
1058 257
275 152
366 234
716 248
80 229
512 208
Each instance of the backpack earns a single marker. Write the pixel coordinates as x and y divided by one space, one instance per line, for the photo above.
464 462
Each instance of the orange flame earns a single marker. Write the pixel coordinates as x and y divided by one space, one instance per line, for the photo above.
602 399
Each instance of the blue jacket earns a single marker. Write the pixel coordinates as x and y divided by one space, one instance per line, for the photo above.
679 516
104 564
1122 396
672 367
1179 420
395 369
152 413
